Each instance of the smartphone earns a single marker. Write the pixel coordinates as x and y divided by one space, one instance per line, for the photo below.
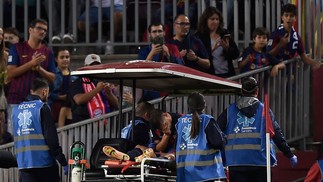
159 40
226 36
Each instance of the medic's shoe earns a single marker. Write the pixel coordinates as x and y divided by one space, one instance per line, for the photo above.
148 153
113 153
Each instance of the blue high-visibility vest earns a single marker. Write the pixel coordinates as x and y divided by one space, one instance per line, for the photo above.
195 160
32 150
246 139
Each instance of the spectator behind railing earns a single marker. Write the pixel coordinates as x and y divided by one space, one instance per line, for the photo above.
3 73
11 36
58 97
255 56
93 16
191 48
91 98
3 60
159 50
5 137
218 41
26 61
285 43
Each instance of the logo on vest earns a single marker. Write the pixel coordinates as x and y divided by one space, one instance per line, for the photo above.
24 122
186 136
245 122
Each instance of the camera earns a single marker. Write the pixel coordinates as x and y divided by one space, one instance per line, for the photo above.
158 40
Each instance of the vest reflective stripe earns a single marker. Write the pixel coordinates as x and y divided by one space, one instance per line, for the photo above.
200 163
243 135
246 139
29 137
31 148
243 147
196 152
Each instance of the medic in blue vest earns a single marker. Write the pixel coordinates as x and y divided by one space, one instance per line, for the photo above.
244 126
199 141
35 135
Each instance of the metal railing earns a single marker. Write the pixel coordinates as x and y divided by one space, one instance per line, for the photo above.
239 16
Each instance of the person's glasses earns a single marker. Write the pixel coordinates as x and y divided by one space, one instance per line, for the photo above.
157 31
41 29
183 24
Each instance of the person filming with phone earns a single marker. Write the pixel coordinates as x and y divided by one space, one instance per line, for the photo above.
220 45
158 50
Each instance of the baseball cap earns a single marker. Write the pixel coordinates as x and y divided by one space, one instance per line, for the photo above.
91 58
249 85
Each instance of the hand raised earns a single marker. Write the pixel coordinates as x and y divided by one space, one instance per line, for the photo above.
156 48
183 52
225 43
191 55
100 85
37 58
284 40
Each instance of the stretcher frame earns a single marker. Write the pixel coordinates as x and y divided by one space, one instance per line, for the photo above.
145 171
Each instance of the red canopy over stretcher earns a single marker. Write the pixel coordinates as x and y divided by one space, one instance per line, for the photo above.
159 76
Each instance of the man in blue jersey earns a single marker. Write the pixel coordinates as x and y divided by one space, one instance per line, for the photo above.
191 48
26 61
36 140
244 125
159 50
